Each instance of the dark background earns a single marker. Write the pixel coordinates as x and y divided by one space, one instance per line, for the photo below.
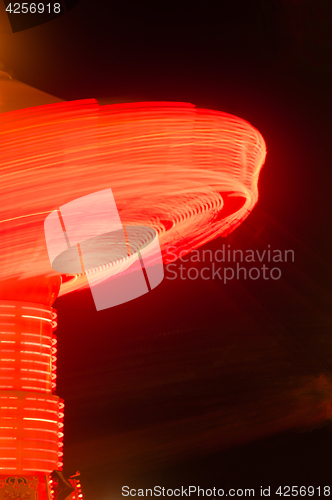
200 382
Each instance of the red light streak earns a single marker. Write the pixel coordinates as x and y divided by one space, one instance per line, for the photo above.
189 173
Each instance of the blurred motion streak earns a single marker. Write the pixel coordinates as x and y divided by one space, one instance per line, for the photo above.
184 174
191 174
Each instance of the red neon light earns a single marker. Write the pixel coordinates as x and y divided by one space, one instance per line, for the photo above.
29 413
28 366
189 173
31 425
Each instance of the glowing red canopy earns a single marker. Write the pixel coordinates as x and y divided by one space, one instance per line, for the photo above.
189 173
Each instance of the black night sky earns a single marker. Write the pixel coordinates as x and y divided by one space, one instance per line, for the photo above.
200 382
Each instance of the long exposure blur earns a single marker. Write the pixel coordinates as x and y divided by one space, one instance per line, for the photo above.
210 125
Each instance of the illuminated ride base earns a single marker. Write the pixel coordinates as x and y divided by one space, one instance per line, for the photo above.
189 173
30 413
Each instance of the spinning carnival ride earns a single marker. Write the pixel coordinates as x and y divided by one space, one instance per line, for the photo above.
190 174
